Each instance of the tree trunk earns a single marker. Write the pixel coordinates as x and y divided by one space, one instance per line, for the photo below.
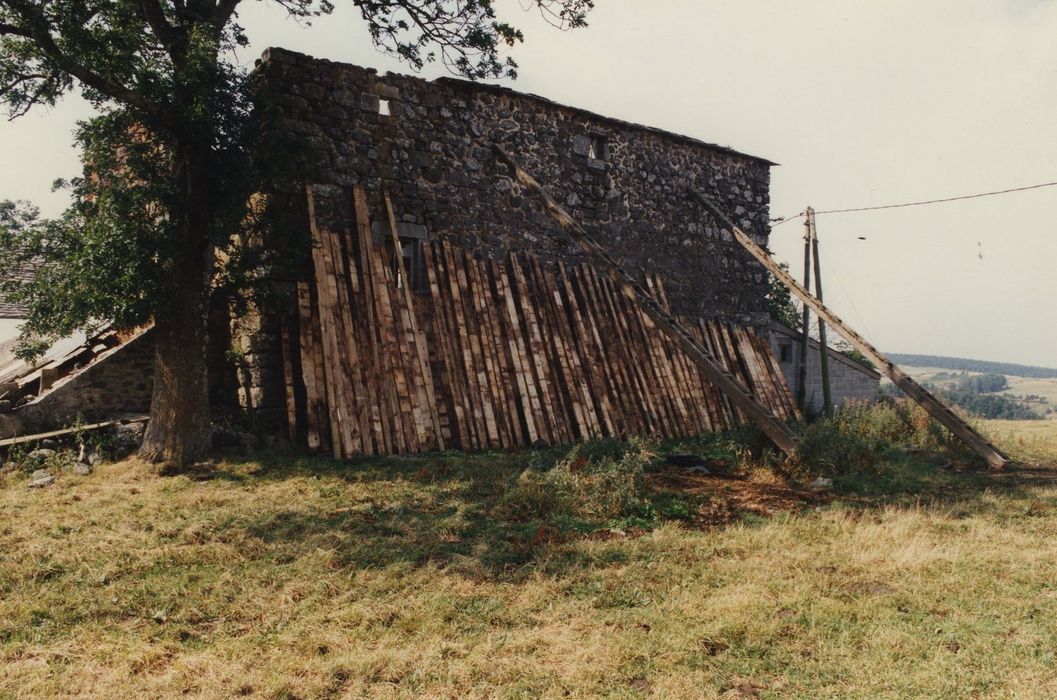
178 433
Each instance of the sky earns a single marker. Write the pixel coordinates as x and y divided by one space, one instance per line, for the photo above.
862 104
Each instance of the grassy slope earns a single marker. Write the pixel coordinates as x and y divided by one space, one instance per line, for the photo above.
290 578
1018 386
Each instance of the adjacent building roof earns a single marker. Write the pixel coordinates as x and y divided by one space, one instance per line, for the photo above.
9 309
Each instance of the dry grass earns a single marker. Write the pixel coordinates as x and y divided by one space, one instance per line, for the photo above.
287 577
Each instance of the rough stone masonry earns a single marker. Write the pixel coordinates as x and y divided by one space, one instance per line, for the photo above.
428 144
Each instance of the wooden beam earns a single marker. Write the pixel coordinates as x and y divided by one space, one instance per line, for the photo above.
930 403
8 442
772 426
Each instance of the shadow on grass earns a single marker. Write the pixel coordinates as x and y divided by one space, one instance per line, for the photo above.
442 509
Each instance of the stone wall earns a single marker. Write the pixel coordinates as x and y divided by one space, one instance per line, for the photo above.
427 143
848 380
118 383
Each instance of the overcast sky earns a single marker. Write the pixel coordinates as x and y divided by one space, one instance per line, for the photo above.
861 103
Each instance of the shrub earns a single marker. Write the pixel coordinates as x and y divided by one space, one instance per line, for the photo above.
596 481
854 438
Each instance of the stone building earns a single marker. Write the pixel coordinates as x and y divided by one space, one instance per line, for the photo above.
849 380
428 145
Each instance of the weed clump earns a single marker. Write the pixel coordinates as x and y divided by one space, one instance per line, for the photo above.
860 432
594 481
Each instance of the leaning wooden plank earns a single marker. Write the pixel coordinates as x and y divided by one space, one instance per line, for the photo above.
571 411
774 428
915 391
526 386
443 358
309 358
537 358
420 350
583 401
332 356
628 412
391 376
288 381
594 361
22 439
582 350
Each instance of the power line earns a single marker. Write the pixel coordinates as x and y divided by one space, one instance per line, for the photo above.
938 201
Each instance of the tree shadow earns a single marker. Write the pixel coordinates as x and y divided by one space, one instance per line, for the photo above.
442 509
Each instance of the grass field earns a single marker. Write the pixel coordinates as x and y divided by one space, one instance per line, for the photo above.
1018 386
288 577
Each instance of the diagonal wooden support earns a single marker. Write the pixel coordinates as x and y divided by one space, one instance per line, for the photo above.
936 408
726 382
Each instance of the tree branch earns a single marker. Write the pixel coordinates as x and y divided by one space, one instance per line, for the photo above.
38 31
155 17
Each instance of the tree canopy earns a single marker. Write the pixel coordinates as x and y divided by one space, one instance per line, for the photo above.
167 174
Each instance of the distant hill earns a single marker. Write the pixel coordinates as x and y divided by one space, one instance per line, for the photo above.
960 363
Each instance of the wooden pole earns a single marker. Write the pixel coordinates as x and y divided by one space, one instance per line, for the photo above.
823 357
764 417
805 337
930 403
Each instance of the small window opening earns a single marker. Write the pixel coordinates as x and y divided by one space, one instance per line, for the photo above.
384 107
597 147
414 266
785 352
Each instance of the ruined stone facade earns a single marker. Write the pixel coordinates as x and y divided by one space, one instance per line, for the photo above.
428 144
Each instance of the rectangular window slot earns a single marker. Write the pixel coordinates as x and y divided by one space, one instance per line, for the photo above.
383 108
597 147
785 352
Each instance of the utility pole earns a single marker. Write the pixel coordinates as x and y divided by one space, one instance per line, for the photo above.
805 345
827 398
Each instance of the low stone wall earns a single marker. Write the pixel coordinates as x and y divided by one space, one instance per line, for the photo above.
119 382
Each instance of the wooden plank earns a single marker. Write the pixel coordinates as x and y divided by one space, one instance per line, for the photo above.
288 381
420 351
595 362
531 411
493 309
314 392
441 353
474 392
551 426
570 409
390 377
774 428
585 403
943 414
23 439
451 376
587 357
629 409
326 291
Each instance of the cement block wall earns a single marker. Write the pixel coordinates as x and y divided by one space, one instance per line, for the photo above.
849 380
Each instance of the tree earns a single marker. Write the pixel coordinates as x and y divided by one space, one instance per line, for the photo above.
165 184
780 304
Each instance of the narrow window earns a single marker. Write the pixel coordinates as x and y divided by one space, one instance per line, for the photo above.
785 352
414 266
383 107
597 148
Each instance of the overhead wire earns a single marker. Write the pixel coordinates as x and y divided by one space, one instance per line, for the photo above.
938 201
